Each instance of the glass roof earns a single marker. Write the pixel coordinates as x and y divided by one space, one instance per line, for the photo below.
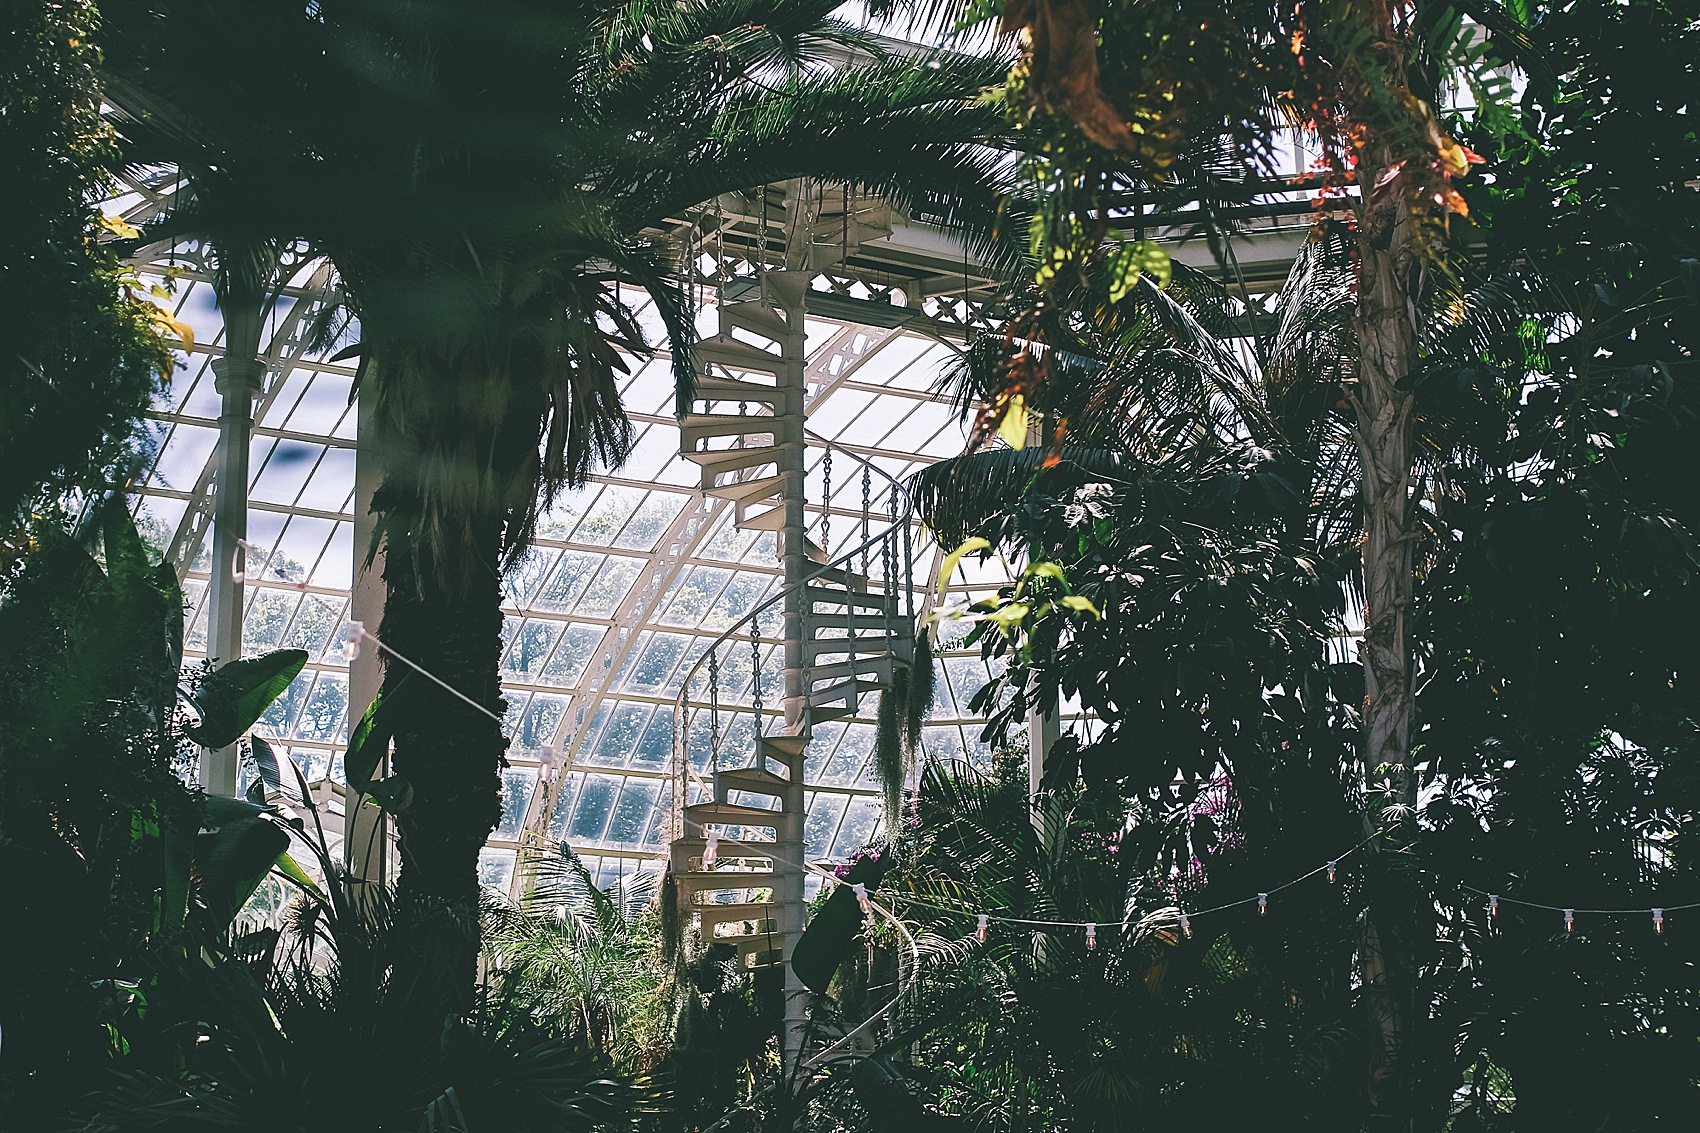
630 577
623 589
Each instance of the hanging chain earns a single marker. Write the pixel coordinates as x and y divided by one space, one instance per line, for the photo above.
755 676
867 506
826 502
889 563
714 709
761 237
719 254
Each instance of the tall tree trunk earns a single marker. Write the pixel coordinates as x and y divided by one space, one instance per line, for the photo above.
449 753
1389 254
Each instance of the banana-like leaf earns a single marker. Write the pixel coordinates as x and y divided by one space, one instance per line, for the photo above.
291 869
268 779
827 940
238 847
177 845
165 577
122 543
236 693
370 740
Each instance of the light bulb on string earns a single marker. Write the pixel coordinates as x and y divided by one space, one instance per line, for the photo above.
1263 904
1331 868
1186 926
862 898
1659 921
1569 919
238 560
711 851
1091 935
545 763
1493 904
980 928
352 633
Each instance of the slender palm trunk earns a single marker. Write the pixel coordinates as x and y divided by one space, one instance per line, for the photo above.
1386 334
1389 266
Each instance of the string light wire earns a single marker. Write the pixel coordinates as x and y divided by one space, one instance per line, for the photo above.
362 633
357 632
1497 899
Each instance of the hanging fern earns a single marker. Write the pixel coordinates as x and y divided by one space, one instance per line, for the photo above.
672 924
918 696
888 745
902 710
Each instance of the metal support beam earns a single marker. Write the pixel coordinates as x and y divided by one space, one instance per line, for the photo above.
366 829
788 290
238 378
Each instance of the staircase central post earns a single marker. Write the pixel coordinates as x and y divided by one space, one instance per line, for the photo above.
788 290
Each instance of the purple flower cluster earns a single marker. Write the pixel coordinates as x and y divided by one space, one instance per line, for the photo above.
869 855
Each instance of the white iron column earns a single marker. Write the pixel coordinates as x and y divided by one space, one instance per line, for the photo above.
365 828
1043 729
238 377
788 290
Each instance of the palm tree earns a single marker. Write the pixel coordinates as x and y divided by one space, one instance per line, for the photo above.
1173 376
589 958
481 176
1031 1028
1226 467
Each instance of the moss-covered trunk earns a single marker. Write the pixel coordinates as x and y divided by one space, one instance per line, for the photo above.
449 753
1389 276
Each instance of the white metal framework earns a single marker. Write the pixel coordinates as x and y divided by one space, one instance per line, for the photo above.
629 578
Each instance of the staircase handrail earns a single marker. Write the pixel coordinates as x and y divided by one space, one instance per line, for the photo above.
685 710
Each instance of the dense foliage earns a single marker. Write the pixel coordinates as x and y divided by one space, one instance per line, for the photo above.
1553 552
482 177
84 351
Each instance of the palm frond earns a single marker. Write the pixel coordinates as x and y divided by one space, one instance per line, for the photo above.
966 495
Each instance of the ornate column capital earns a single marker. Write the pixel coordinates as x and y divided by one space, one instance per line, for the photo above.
238 375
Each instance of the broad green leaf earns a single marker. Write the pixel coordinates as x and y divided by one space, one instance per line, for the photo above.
268 776
166 579
122 543
1009 617
291 869
1053 571
1131 261
177 843
238 692
948 567
370 741
240 845
832 930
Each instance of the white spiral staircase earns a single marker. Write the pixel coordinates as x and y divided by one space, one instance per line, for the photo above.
845 630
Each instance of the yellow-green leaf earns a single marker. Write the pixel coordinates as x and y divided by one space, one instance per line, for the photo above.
1132 260
1082 605
1009 618
166 320
1040 570
119 227
948 567
1047 570
1013 427
291 869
